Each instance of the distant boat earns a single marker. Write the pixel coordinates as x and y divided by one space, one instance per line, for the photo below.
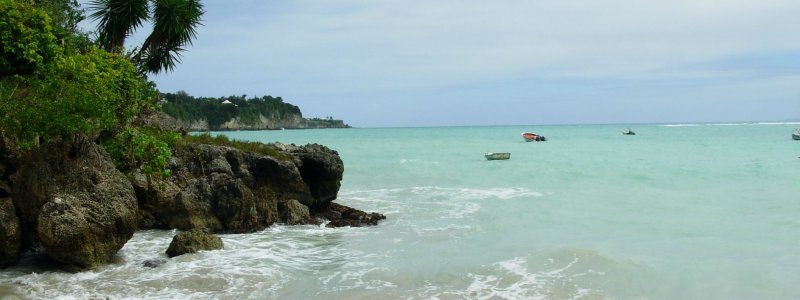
497 155
796 135
532 137
628 131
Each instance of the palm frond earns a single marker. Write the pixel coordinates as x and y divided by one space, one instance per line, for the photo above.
176 20
162 58
117 19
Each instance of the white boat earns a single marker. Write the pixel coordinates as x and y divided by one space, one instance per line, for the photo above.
531 137
796 135
497 155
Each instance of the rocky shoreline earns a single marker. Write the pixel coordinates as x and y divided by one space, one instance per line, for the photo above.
68 201
263 123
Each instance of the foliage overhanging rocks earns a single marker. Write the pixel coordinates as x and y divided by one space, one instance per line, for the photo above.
86 158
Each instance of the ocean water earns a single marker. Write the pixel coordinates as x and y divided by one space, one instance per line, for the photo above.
682 211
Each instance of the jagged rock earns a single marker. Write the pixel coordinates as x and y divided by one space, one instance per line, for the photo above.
158 119
10 233
75 203
295 213
341 216
221 189
193 241
227 190
322 170
10 230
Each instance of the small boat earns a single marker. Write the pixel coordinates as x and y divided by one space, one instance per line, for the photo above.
628 131
532 137
796 135
497 155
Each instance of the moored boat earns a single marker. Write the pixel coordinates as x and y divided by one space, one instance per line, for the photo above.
532 137
497 155
796 135
628 131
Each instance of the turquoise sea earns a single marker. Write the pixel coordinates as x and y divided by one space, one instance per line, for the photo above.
678 211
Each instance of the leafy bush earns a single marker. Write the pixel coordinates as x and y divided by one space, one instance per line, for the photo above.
143 147
27 38
82 93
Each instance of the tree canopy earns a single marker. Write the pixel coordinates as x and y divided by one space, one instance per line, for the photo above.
185 107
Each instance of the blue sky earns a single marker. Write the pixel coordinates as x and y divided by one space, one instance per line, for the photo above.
506 62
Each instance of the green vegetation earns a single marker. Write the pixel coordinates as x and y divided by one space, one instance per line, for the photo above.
27 37
185 107
57 84
148 148
328 122
222 140
50 88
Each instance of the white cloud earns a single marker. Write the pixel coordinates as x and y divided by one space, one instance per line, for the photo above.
429 42
309 51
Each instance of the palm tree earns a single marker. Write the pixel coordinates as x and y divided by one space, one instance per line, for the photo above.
174 27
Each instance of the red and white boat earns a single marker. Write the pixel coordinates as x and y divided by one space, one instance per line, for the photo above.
532 137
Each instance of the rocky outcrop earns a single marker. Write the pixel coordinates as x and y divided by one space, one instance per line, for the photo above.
74 203
194 125
227 190
295 213
265 122
322 170
221 189
290 121
193 241
157 119
10 230
343 216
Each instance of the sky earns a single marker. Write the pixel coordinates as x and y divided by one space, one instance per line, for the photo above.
417 63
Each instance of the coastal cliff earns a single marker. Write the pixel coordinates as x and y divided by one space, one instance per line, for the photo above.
239 113
294 121
68 201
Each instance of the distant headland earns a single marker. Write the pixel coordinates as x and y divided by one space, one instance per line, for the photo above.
239 113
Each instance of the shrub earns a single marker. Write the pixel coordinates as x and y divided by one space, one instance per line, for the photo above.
81 93
26 36
145 148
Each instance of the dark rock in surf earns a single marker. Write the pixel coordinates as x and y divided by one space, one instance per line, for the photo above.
154 263
322 170
221 189
342 216
227 190
74 203
295 213
193 241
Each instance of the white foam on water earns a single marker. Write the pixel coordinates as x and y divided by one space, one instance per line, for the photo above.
474 194
451 203
356 278
524 278
524 285
257 264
